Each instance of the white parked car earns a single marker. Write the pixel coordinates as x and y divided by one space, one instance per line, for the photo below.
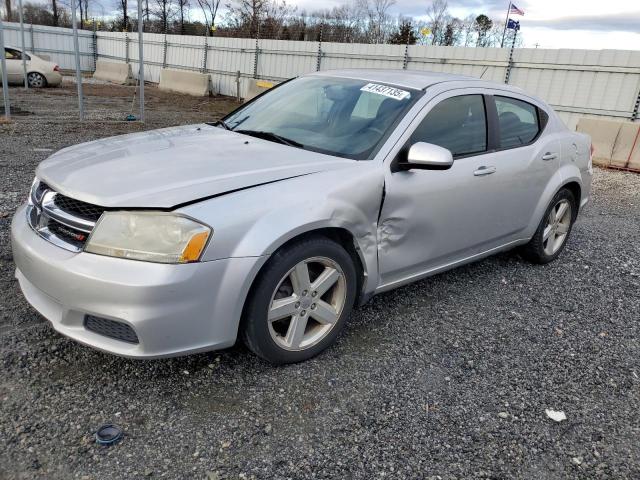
40 73
274 222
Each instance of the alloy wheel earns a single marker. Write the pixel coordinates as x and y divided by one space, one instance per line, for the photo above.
35 80
557 228
307 303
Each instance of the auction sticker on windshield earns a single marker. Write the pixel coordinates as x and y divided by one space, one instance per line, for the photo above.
385 90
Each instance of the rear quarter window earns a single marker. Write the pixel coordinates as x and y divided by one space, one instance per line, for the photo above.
520 122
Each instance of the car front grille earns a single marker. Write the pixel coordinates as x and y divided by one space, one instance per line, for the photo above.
111 328
61 220
76 207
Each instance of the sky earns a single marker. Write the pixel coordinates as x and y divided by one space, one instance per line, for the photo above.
590 24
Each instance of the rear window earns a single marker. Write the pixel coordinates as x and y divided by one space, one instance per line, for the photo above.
519 122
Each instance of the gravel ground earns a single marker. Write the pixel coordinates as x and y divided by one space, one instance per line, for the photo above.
447 378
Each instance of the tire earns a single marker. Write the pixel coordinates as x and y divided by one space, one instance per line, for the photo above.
287 319
553 228
36 80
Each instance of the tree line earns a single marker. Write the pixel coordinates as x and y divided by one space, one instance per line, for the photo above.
354 21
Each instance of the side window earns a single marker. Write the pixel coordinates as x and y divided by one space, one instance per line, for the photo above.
458 124
518 120
11 54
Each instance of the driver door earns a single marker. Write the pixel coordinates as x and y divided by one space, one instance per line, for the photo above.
432 219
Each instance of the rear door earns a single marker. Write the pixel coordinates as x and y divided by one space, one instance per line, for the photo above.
527 157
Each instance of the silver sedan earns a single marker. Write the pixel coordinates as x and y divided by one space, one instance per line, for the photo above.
273 223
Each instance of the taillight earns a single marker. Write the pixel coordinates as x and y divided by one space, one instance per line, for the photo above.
591 150
56 68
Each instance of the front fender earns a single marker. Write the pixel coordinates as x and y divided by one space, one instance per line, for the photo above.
257 221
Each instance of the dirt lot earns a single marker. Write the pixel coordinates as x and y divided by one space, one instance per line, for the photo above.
447 378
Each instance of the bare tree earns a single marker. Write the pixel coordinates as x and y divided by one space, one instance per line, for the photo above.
7 4
86 10
210 11
249 16
82 19
122 5
452 30
467 30
183 5
244 14
438 13
378 18
164 11
54 9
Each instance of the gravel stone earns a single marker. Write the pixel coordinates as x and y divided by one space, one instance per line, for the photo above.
395 398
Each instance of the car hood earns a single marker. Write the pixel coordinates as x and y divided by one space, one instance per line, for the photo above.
175 166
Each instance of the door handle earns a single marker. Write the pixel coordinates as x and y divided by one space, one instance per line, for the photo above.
549 156
484 171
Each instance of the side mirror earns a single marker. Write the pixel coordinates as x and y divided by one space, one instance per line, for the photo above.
427 156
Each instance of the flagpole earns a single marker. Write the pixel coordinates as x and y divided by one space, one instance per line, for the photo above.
505 25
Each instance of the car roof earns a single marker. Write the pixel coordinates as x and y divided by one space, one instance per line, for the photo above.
415 79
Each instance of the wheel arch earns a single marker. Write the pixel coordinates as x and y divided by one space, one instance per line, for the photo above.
561 179
576 189
340 235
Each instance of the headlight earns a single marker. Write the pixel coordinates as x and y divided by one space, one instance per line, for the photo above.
149 236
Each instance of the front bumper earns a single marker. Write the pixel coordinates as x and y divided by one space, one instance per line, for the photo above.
174 309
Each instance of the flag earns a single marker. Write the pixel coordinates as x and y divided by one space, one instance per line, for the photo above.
515 10
425 31
513 25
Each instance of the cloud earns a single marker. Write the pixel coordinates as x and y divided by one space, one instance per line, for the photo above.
620 22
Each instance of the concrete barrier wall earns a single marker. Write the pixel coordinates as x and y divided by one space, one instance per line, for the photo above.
616 144
113 72
256 87
184 81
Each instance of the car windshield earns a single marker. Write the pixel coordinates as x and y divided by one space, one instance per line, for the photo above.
338 116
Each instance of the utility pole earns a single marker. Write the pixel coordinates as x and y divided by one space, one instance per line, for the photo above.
24 50
5 84
141 59
76 48
504 31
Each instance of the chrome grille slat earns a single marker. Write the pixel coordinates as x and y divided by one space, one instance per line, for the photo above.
61 220
51 210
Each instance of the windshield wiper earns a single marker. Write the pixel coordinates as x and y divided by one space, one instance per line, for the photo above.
271 136
220 123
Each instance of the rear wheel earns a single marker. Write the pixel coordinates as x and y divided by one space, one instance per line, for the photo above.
36 80
300 302
554 229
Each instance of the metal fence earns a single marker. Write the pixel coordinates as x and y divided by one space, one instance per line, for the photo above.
596 83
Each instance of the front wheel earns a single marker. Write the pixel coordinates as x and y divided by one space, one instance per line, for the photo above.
554 229
300 302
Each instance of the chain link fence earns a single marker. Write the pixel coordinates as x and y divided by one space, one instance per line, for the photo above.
602 84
